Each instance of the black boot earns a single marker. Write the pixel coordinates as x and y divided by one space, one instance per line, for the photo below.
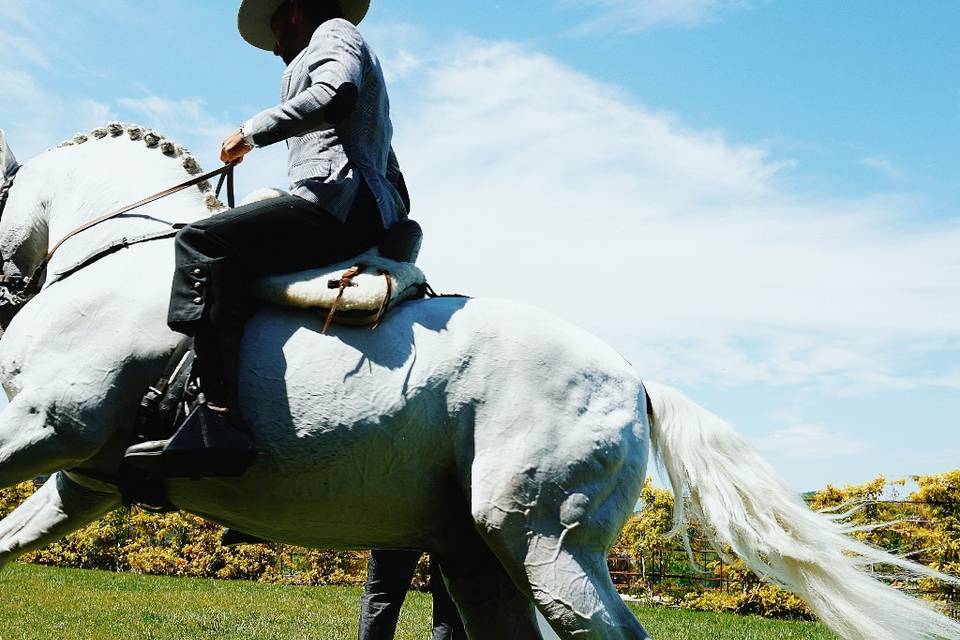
212 441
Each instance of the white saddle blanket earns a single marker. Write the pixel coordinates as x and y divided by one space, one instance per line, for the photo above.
361 303
381 284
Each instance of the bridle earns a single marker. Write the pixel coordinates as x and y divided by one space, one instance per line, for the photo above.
16 291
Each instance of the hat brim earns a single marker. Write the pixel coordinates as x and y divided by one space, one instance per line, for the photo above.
254 18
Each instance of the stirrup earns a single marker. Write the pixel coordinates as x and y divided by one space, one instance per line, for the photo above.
206 445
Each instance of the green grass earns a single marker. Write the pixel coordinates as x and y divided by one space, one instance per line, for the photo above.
39 603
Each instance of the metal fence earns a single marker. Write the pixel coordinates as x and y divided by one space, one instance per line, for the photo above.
705 569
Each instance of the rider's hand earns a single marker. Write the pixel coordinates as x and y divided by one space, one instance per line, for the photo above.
234 148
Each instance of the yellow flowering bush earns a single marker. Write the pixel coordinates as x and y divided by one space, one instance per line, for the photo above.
926 527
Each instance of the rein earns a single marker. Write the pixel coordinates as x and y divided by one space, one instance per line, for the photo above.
19 289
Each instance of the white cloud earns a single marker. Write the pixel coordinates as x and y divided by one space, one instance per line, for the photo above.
536 182
20 47
634 16
18 12
190 122
35 117
396 44
49 118
886 167
810 442
401 64
186 117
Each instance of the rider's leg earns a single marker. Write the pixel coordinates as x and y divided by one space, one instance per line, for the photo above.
57 508
216 257
388 579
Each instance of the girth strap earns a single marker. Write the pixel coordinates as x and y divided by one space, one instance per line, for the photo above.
113 247
30 283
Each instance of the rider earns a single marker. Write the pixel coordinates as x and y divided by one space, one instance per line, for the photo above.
346 191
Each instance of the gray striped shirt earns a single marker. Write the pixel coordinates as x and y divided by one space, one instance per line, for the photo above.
326 161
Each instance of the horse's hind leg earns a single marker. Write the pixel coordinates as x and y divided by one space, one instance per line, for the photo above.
491 606
59 507
574 592
572 589
552 536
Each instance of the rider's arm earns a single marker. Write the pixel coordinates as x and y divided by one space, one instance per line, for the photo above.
334 60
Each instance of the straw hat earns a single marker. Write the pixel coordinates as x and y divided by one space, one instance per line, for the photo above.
254 18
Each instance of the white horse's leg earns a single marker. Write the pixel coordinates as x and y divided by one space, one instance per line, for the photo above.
576 596
552 529
37 438
570 584
59 507
490 605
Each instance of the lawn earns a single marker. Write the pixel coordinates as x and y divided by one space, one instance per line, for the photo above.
39 603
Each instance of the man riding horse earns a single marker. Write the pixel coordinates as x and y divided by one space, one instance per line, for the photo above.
347 190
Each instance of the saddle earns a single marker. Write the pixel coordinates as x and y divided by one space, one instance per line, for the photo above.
358 292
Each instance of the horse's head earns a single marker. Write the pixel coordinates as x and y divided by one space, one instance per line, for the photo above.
22 234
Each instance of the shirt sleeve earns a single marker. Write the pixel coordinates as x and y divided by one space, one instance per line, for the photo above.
333 58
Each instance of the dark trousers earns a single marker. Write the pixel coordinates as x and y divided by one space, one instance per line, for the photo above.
216 257
388 579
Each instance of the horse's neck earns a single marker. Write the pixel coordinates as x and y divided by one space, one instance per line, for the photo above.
99 177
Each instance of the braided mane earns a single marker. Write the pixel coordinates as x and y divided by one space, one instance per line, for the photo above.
152 140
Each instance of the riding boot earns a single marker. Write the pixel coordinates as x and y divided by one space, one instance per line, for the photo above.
217 367
213 441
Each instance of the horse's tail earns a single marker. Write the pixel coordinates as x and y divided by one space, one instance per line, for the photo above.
720 481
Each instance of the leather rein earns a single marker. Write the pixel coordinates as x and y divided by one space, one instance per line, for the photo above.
17 290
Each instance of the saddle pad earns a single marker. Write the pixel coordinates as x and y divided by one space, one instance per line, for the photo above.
361 302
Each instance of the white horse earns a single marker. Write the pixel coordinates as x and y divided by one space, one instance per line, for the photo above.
508 442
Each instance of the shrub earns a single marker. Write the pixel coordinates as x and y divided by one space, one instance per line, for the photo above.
927 528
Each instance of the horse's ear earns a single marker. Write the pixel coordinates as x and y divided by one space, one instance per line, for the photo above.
8 163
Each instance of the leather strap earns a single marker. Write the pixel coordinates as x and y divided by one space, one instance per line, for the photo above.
386 301
113 247
346 280
31 280
228 176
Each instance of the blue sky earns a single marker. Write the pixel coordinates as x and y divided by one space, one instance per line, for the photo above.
755 201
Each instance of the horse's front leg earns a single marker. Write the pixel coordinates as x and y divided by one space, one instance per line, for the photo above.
39 436
59 507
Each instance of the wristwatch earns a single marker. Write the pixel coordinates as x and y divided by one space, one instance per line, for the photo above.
248 139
